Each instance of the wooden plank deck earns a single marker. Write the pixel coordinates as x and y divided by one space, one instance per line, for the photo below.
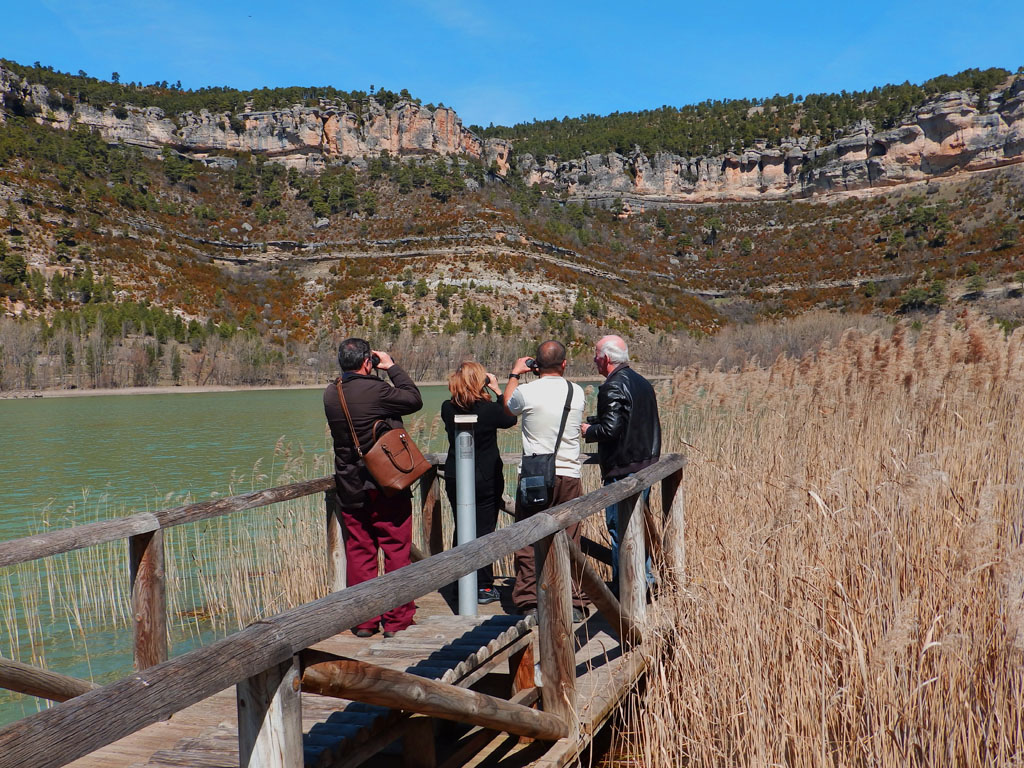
205 735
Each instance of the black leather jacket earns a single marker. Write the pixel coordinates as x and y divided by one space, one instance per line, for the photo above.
626 429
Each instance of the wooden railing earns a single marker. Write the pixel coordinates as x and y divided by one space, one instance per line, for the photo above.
265 660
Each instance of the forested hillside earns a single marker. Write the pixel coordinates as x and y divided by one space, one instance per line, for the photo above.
174 100
124 265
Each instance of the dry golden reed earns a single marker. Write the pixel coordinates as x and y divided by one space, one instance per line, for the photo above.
855 591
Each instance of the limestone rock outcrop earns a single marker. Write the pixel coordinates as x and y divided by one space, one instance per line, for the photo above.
303 137
948 133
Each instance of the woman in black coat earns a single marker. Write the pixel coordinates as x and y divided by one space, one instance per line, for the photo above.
469 386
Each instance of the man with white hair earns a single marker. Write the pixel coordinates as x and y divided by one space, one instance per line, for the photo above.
626 428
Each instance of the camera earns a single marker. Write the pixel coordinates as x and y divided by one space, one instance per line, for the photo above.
375 359
531 364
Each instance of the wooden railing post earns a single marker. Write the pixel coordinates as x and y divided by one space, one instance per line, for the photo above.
673 500
149 598
632 555
270 718
556 639
521 666
336 560
430 495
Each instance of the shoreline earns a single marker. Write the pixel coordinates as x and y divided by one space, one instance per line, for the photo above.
163 389
170 389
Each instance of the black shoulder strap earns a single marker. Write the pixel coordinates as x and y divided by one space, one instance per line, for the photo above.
565 417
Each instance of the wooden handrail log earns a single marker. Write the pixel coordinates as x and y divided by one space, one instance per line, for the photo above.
77 537
577 510
57 542
360 681
204 510
99 717
80 536
24 678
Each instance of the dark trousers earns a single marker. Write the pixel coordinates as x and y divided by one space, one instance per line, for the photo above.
486 520
524 595
385 524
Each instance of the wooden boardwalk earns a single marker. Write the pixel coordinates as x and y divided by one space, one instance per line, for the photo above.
298 690
440 645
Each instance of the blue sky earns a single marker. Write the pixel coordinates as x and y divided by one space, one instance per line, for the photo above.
518 61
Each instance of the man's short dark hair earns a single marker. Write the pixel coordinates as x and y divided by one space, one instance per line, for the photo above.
550 356
352 353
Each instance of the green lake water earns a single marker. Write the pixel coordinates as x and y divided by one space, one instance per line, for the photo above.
130 453
66 461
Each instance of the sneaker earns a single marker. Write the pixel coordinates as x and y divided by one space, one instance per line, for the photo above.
487 595
388 633
364 633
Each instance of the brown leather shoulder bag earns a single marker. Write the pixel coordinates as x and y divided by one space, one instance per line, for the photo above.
394 461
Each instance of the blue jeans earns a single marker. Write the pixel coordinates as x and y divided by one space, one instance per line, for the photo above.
611 519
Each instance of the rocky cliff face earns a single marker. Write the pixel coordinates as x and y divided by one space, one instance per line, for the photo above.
303 137
947 134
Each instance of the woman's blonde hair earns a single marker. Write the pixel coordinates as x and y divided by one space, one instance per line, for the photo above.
467 385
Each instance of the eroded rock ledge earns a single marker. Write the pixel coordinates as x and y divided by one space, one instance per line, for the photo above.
946 134
303 137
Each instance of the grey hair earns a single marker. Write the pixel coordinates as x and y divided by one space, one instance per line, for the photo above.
615 350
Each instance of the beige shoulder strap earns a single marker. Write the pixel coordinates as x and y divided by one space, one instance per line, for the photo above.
348 417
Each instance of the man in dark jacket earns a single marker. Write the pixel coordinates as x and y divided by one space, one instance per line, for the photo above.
627 429
372 520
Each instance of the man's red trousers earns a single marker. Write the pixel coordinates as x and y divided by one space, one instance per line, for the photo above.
384 524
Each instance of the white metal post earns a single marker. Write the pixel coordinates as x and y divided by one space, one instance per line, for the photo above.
465 507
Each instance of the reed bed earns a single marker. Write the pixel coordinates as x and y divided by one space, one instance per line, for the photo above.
67 612
855 574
